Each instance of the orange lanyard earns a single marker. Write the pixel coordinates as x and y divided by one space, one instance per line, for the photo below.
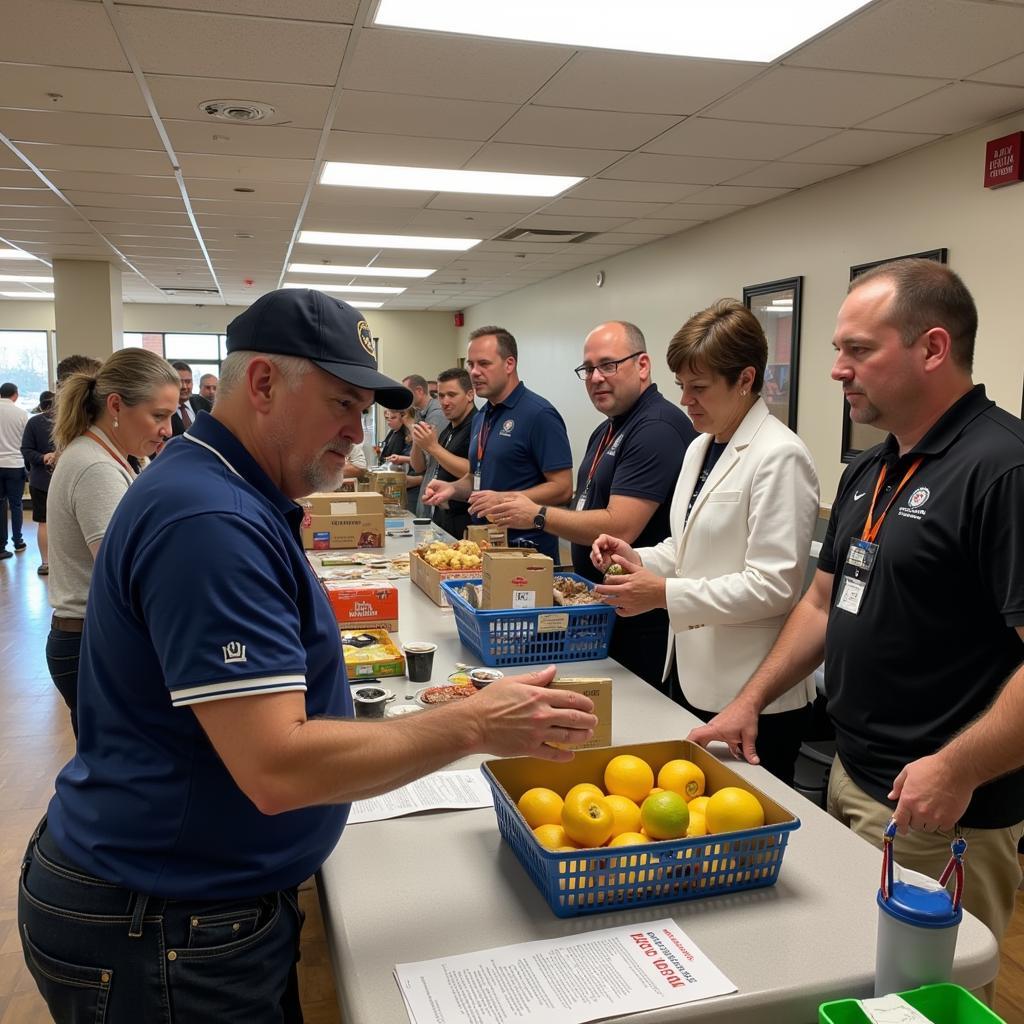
871 528
601 449
483 435
110 451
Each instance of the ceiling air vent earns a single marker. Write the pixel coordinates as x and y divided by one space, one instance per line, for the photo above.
545 235
173 290
237 111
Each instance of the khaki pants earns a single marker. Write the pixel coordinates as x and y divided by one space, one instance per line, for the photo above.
992 871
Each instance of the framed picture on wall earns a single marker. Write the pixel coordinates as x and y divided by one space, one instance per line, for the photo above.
858 437
776 304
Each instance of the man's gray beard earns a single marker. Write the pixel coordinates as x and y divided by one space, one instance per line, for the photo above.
318 477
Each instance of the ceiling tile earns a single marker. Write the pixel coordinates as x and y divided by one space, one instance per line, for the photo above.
95 158
623 237
697 211
693 170
343 11
951 39
118 201
405 150
788 175
828 98
485 204
1008 72
167 218
340 199
384 220
222 190
707 137
586 129
553 223
607 189
399 114
736 195
956 107
57 127
653 226
123 184
507 156
245 170
595 208
187 43
83 35
642 83
456 222
855 146
425 64
78 89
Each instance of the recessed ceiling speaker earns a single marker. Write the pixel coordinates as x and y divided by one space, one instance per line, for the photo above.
236 111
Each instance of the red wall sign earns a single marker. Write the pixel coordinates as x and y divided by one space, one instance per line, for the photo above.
1003 164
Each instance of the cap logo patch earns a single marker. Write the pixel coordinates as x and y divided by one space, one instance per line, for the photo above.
365 337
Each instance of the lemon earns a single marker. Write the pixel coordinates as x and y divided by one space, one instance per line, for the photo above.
665 815
732 809
682 776
626 814
628 775
540 806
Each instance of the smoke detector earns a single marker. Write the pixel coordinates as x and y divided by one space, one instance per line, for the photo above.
236 111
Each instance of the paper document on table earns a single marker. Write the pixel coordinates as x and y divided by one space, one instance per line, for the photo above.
452 791
570 980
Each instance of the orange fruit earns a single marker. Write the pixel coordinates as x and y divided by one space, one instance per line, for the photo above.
628 839
540 806
682 776
698 805
584 787
665 815
732 809
626 814
587 819
628 775
552 837
698 825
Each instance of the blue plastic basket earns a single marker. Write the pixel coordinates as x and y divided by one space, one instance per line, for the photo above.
618 878
535 636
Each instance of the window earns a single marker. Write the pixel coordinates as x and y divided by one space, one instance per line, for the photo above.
23 362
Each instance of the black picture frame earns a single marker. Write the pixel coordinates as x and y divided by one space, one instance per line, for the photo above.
782 375
858 437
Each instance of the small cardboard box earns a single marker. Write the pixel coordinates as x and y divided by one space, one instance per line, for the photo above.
599 690
428 579
518 578
390 484
343 503
488 536
363 604
371 661
334 520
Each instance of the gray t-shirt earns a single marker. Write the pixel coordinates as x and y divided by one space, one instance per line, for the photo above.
86 486
434 415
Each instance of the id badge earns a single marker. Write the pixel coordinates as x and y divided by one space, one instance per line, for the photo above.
862 555
851 594
476 481
860 560
581 501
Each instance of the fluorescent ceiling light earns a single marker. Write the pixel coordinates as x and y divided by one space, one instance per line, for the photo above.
387 241
27 295
327 268
16 254
725 30
358 289
365 305
434 179
26 278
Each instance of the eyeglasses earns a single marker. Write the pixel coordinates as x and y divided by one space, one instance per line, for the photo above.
606 369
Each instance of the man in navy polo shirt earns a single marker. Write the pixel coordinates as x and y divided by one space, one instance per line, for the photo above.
626 482
918 603
215 758
519 443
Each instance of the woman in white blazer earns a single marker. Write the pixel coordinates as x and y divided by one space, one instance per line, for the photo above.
742 518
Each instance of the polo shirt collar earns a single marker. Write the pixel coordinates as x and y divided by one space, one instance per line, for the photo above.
949 426
211 433
646 396
511 400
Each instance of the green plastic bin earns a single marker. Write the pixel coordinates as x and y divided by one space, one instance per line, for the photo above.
941 1004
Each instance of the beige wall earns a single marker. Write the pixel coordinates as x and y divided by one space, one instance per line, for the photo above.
928 199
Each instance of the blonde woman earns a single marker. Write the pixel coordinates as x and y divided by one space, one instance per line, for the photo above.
106 418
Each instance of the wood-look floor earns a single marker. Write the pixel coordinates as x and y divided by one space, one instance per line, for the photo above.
36 740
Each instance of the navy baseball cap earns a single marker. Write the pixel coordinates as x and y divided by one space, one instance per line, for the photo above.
311 325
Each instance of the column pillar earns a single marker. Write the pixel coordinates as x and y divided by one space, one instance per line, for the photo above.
88 309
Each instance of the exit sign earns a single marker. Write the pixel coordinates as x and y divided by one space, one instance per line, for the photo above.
1003 160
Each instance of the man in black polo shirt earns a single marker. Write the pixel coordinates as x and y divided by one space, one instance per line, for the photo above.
448 452
626 481
918 601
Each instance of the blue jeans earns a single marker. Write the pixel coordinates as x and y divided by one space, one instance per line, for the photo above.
103 954
63 651
12 487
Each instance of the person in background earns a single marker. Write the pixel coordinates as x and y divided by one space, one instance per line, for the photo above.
917 606
625 483
742 520
355 463
449 452
401 460
432 388
518 443
398 439
208 387
219 753
38 452
12 468
189 405
426 409
103 419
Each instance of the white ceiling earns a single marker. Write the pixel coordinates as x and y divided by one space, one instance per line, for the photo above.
664 143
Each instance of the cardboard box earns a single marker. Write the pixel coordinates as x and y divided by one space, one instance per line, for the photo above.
363 604
334 520
488 536
390 484
518 578
428 579
599 690
343 503
378 660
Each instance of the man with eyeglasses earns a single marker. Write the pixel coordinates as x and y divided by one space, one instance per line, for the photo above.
626 481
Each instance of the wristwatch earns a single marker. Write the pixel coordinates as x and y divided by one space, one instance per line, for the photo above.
541 518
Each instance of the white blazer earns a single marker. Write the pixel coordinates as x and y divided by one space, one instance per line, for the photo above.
736 569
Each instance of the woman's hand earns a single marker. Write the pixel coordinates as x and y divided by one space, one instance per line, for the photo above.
635 591
606 546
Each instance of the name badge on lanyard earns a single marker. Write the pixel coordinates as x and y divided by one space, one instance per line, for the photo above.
581 501
860 559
